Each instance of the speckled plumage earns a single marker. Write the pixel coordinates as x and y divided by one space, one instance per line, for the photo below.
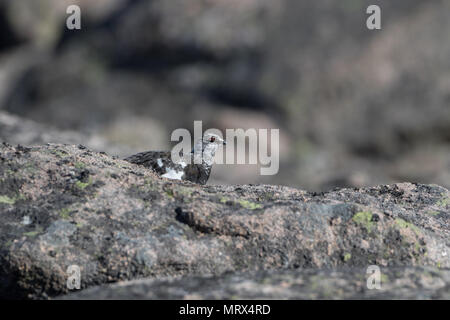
161 162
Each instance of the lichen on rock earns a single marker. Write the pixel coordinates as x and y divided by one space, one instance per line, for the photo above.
119 221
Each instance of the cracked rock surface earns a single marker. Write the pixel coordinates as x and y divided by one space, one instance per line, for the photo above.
63 205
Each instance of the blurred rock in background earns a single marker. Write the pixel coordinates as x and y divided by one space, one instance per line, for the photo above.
354 107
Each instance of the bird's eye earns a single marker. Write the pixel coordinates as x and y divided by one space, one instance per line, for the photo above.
212 139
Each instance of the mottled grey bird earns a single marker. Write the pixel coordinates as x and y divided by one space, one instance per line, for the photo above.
185 169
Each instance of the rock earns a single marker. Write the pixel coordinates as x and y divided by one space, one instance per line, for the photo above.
396 283
64 205
22 131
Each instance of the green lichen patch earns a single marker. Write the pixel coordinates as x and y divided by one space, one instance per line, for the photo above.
7 200
444 202
79 165
31 233
243 203
64 213
364 218
169 193
384 278
268 196
83 185
402 224
10 172
347 257
249 205
224 199
182 193
59 153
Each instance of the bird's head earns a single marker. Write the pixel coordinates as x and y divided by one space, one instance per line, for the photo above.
211 138
208 146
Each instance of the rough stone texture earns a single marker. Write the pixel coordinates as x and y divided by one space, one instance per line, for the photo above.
62 205
396 283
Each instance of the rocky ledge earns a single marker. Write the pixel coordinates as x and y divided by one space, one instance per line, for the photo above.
63 205
345 283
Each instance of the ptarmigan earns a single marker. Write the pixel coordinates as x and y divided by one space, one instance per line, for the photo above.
161 162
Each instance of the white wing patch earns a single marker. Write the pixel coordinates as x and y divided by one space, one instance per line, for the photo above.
173 174
182 164
160 163
26 220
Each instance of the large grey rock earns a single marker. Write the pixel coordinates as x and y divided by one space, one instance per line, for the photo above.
346 283
63 205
